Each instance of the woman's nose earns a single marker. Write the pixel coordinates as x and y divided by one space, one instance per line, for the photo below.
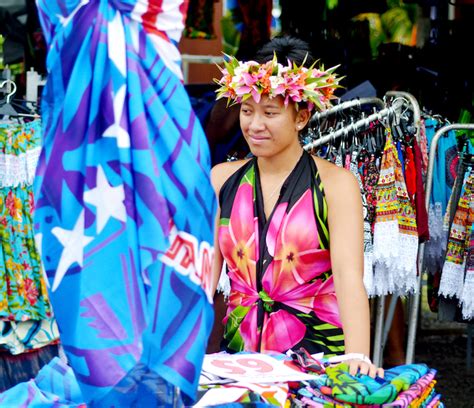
256 122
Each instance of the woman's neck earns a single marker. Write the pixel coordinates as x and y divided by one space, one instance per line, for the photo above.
280 163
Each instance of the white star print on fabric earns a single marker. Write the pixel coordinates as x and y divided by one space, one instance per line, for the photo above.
108 201
115 130
73 242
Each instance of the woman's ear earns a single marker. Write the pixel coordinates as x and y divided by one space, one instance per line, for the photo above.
302 118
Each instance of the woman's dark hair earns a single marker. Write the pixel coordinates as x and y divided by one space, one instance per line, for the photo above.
286 48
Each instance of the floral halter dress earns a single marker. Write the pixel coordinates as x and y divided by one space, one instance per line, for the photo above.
282 290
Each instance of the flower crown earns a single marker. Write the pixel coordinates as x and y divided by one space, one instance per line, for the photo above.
242 80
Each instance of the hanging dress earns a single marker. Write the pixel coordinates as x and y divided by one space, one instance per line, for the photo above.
395 232
282 290
26 320
23 294
125 207
452 276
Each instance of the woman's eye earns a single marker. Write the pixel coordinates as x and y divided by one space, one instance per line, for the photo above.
270 113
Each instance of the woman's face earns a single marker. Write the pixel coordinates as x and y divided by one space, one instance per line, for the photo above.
269 127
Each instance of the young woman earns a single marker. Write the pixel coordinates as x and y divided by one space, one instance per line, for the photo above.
290 225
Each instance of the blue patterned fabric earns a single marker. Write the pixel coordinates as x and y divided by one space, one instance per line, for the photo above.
125 208
54 386
445 166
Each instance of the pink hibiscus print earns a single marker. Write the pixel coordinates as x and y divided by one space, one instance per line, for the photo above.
13 205
290 277
238 242
31 291
31 202
299 260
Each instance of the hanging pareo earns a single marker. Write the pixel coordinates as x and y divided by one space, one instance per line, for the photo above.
125 207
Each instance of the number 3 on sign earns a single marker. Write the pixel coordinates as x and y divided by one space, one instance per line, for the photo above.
243 366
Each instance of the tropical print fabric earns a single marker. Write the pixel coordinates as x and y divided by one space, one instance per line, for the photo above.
23 293
20 337
282 290
125 207
402 386
53 386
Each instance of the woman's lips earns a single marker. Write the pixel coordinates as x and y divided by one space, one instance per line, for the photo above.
258 139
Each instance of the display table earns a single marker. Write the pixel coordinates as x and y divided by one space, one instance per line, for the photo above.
252 379
290 381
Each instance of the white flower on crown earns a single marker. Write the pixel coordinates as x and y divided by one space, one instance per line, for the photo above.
275 81
239 70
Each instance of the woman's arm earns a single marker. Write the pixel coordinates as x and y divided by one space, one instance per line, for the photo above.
217 181
219 175
345 218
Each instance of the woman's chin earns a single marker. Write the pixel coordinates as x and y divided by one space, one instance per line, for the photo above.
260 151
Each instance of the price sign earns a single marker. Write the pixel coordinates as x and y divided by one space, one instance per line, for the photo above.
253 368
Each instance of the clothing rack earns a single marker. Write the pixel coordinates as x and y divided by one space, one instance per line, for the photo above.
401 100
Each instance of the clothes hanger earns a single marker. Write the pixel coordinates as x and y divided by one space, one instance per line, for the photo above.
7 108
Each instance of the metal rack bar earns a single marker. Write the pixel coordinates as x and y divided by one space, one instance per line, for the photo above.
347 105
389 319
360 124
378 351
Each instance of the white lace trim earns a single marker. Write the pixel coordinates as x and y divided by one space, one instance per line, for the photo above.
18 169
452 276
395 260
383 280
224 282
368 273
385 236
467 297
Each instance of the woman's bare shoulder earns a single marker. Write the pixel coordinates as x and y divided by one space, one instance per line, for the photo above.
222 171
336 180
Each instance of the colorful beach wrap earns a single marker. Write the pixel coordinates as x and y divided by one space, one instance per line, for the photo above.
125 207
403 386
